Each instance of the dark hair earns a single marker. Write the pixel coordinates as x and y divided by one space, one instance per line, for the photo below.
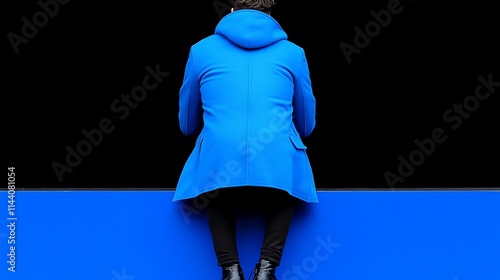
260 5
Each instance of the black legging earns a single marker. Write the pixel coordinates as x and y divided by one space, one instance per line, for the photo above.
277 207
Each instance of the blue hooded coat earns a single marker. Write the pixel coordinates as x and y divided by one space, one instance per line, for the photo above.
247 92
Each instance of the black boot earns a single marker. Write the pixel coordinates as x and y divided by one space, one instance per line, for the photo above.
264 270
232 272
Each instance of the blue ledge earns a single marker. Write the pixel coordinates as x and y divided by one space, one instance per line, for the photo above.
349 235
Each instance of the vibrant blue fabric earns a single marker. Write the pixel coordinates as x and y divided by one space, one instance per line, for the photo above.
247 92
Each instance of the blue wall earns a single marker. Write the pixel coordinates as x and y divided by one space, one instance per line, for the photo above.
349 235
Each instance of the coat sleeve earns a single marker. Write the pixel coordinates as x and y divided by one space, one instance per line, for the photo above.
190 107
304 102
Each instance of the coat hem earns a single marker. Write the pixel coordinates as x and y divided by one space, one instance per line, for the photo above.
194 195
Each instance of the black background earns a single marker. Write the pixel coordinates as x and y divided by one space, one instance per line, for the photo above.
369 111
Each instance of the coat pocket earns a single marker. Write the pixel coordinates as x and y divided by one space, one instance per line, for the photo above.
297 142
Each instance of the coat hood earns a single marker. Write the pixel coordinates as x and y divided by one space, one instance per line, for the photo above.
250 29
